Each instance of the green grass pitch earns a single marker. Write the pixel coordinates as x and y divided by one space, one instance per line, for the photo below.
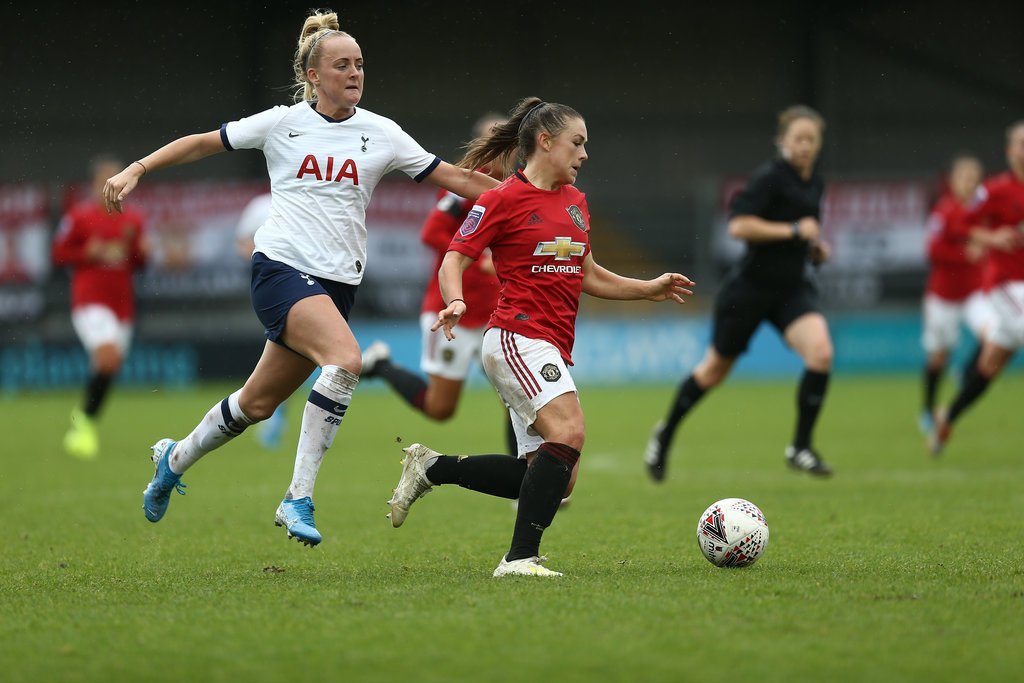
900 568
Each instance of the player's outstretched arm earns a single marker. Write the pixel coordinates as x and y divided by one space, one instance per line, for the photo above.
461 181
181 151
604 284
449 279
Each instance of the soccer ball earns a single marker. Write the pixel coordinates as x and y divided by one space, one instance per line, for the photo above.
732 533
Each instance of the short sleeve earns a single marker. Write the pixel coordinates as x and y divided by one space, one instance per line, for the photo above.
480 227
251 132
410 157
755 198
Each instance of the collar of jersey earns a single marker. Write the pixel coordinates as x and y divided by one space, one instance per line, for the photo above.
328 119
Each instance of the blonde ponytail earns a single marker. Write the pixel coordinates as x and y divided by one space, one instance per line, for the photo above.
318 25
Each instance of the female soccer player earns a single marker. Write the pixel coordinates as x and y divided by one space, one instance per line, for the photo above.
777 215
324 156
954 290
104 251
999 222
537 226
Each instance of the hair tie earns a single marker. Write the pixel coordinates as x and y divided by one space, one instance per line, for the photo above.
313 45
532 109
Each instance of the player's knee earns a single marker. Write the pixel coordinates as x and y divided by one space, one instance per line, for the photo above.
107 360
820 357
440 413
572 435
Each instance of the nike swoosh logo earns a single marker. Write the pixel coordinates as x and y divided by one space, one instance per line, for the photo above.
294 135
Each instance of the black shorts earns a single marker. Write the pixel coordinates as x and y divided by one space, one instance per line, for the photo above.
277 286
743 305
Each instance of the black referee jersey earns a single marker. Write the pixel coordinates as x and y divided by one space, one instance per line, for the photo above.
776 192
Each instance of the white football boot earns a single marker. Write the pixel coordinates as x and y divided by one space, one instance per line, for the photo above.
413 483
527 566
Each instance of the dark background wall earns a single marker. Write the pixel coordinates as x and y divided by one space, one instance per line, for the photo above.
676 95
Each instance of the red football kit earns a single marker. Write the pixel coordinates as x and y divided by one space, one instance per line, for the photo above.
96 281
1002 206
952 276
480 289
538 240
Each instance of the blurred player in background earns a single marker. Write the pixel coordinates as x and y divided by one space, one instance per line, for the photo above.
998 223
324 157
103 251
536 225
446 365
954 290
778 215
255 214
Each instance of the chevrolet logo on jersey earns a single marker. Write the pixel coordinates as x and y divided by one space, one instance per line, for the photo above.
563 248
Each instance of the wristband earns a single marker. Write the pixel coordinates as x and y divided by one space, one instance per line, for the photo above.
144 169
456 299
796 229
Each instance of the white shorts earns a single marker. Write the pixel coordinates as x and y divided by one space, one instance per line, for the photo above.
448 359
528 374
97 325
1008 315
942 320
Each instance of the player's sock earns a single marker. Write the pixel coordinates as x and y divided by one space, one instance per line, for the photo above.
96 392
686 397
972 363
973 387
408 385
223 422
542 490
511 443
809 398
328 400
932 377
495 475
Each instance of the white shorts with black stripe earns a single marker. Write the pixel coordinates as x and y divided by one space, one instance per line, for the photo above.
528 374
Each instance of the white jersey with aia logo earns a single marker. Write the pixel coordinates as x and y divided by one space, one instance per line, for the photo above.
322 173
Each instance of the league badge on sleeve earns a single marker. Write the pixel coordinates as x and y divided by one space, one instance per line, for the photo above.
576 214
472 221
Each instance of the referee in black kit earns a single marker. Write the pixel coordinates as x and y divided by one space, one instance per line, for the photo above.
777 215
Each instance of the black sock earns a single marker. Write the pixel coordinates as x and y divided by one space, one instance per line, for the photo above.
408 385
96 392
972 363
809 398
511 443
932 376
495 475
686 397
973 387
543 487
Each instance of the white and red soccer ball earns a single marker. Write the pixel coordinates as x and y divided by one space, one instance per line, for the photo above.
732 533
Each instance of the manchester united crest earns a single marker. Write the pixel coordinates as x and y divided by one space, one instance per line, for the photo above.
576 214
550 372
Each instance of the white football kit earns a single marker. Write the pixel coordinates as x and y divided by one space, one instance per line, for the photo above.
322 173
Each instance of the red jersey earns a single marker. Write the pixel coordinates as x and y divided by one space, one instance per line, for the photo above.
480 289
1002 205
953 277
106 279
538 240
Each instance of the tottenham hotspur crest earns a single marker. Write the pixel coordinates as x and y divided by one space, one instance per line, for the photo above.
576 214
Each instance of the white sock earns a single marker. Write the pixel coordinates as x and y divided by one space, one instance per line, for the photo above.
325 407
224 422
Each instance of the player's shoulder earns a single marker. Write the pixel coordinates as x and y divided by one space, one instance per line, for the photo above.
366 117
573 194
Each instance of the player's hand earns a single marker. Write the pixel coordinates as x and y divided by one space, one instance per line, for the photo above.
821 252
1005 238
670 286
117 187
448 318
808 229
974 252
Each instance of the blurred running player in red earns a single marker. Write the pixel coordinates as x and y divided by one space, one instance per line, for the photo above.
954 290
999 227
446 365
104 251
537 226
